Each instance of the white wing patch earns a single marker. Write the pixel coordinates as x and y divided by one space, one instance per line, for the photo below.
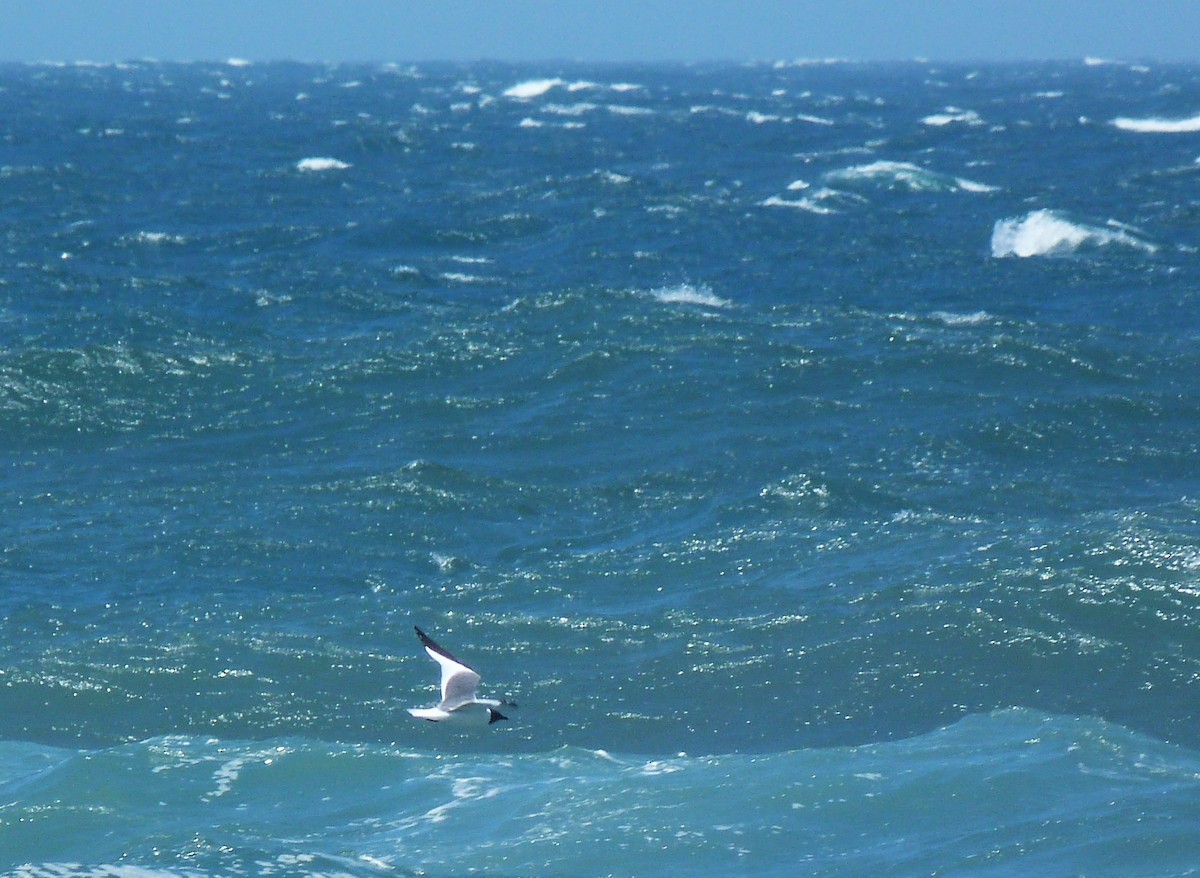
458 681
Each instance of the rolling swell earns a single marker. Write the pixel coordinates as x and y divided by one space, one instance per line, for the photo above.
1022 787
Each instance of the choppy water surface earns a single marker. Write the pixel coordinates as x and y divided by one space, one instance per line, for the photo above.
810 450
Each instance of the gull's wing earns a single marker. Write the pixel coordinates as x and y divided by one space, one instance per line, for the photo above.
458 679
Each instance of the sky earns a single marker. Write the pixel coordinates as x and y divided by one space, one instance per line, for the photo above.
598 30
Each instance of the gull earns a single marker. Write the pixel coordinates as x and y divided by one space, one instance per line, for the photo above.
459 705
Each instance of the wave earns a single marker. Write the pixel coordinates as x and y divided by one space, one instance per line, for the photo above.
1049 233
952 318
818 203
1155 125
908 176
532 88
758 118
952 115
686 294
154 238
320 163
989 786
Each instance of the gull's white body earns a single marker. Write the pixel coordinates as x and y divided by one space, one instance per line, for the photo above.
459 705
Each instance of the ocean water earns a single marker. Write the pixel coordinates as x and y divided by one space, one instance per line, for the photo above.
811 450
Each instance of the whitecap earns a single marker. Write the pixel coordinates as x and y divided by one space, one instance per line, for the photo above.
155 238
806 204
320 163
951 115
686 294
908 175
1049 233
823 201
952 318
758 118
532 88
459 277
1154 125
578 109
623 110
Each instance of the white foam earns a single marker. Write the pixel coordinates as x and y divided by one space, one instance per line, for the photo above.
320 163
226 776
622 110
822 202
809 205
1048 233
532 88
1158 126
951 318
911 176
760 118
686 294
78 870
578 109
458 277
156 238
972 186
951 115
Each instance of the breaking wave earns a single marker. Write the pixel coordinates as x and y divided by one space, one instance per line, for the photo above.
1049 233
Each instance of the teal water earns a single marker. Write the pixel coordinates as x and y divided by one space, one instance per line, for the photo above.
809 450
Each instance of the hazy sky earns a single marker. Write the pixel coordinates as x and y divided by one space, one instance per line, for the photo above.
604 30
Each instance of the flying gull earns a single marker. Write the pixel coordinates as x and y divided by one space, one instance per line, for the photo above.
459 705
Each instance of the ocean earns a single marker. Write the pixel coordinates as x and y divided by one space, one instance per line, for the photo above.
811 450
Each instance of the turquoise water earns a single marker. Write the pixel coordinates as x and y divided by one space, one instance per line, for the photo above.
810 450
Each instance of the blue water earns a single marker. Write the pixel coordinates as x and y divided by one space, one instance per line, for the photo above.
810 450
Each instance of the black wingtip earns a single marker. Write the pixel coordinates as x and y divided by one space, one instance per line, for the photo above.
426 640
428 643
496 716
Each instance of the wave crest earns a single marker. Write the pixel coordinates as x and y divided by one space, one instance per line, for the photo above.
1154 125
1049 233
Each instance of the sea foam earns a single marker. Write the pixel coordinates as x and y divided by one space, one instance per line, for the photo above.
951 115
687 294
909 176
1158 126
1048 233
320 163
532 88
